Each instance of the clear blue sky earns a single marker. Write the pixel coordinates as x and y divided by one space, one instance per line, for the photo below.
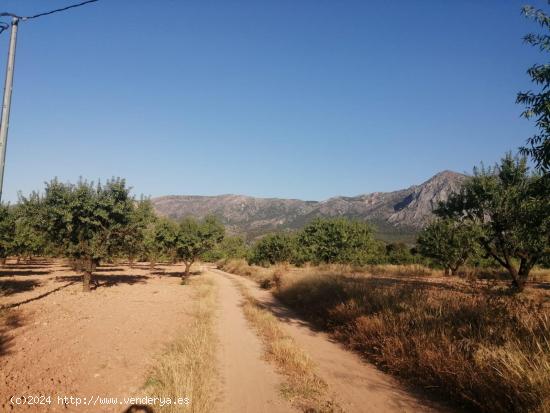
304 99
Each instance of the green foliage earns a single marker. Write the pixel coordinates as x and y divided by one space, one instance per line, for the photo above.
195 238
228 248
141 217
160 239
512 209
29 239
399 253
449 242
538 103
7 230
272 249
89 222
337 240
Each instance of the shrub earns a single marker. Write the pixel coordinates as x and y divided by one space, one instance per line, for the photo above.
336 240
272 249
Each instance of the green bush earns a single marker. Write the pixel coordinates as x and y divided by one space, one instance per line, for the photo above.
272 249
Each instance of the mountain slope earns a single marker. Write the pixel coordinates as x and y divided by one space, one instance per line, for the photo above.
396 215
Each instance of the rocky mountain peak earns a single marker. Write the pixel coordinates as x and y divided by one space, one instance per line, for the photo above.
401 212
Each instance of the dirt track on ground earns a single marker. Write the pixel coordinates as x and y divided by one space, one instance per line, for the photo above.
250 384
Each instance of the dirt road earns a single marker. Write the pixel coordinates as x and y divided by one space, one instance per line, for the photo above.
358 386
249 383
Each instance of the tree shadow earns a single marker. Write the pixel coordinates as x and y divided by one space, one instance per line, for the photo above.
38 297
108 269
143 266
9 287
104 280
33 263
8 273
540 285
177 274
8 321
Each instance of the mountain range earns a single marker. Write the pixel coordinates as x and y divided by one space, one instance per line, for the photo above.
396 215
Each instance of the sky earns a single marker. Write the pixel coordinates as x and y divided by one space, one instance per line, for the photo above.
295 99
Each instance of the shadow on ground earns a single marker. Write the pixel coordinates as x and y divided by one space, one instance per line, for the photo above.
38 297
8 321
9 287
104 280
9 272
177 274
109 269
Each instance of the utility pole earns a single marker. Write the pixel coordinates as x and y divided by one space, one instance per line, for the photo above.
6 103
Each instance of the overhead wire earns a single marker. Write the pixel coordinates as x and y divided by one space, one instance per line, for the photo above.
4 26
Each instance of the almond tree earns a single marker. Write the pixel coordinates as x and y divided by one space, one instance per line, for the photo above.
87 221
449 242
272 249
160 238
538 102
512 208
194 238
141 217
7 232
337 240
29 239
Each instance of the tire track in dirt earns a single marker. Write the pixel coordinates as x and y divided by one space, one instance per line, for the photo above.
249 383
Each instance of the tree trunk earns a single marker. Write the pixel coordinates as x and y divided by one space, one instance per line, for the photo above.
521 277
86 281
131 262
448 271
3 261
517 283
18 260
152 266
89 267
187 269
95 264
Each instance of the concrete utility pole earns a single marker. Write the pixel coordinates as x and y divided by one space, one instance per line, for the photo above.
6 103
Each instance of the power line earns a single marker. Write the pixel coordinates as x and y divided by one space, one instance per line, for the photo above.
4 26
8 85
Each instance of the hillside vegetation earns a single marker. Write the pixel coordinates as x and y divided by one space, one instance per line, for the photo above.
396 216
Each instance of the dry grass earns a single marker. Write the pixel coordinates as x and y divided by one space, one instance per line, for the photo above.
188 366
302 387
484 349
263 276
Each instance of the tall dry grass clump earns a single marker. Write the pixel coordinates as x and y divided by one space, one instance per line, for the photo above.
188 366
409 270
263 276
487 351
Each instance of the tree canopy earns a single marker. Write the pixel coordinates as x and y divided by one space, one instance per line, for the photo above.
538 102
511 206
88 221
195 237
449 242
